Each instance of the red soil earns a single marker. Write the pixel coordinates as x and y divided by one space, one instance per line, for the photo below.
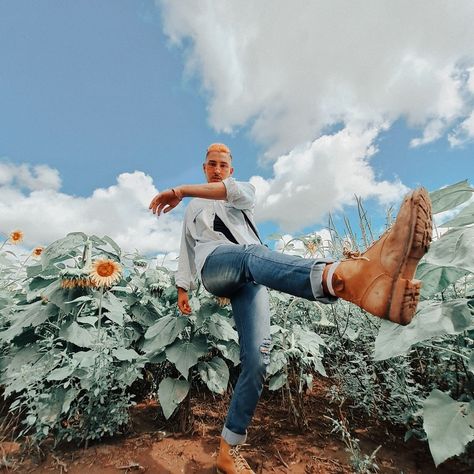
274 445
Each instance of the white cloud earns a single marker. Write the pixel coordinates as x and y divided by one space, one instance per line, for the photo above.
31 201
28 177
470 80
464 132
433 130
293 69
292 72
322 177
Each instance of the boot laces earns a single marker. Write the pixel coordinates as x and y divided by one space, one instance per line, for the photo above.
239 460
354 254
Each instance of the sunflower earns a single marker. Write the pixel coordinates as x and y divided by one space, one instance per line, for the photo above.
37 251
16 236
76 283
75 278
105 272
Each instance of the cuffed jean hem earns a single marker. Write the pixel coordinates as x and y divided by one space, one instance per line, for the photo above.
316 277
232 438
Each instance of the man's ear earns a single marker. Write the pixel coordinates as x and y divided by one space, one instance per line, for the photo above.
231 170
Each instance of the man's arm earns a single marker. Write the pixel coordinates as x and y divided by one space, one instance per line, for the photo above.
205 191
183 301
172 197
240 195
186 272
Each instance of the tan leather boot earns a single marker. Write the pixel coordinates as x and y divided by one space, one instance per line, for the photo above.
230 461
380 280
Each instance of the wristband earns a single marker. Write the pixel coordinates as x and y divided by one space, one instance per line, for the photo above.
177 193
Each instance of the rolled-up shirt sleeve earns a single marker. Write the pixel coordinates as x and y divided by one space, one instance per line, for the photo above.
186 273
240 194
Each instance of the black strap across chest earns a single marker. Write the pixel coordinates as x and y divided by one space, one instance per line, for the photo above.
219 226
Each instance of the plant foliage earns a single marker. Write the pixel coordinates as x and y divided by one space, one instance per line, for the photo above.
72 351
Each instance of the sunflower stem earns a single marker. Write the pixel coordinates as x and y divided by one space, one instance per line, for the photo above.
4 242
100 312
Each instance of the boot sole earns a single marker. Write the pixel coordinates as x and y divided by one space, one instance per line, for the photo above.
421 232
406 296
406 290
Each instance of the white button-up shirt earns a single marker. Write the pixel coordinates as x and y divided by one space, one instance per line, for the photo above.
199 239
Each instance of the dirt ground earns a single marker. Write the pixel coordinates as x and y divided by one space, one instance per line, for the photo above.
274 444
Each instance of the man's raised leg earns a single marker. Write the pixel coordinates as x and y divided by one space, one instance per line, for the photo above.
381 280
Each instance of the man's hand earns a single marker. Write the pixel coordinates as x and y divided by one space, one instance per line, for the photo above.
168 198
183 301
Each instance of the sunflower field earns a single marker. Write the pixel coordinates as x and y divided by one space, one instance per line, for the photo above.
82 325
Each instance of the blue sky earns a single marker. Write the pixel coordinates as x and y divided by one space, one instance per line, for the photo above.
92 90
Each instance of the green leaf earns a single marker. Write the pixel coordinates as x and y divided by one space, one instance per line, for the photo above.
277 361
448 424
31 315
204 309
230 350
307 340
125 354
77 335
85 359
171 392
62 247
450 196
81 299
33 270
59 296
436 278
69 397
58 402
113 244
146 315
432 320
185 354
26 356
277 381
157 358
115 308
220 328
90 320
351 334
318 366
465 217
283 297
163 333
453 249
215 374
61 373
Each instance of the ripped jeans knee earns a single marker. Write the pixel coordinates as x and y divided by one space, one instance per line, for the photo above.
265 350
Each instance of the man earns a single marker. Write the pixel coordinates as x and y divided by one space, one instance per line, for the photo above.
221 245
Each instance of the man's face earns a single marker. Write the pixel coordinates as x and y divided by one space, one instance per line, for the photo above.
217 166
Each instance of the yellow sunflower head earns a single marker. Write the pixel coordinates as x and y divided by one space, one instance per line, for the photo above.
105 272
16 236
37 251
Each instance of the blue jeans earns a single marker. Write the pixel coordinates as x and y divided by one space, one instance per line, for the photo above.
243 273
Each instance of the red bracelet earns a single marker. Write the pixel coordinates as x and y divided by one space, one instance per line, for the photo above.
177 194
